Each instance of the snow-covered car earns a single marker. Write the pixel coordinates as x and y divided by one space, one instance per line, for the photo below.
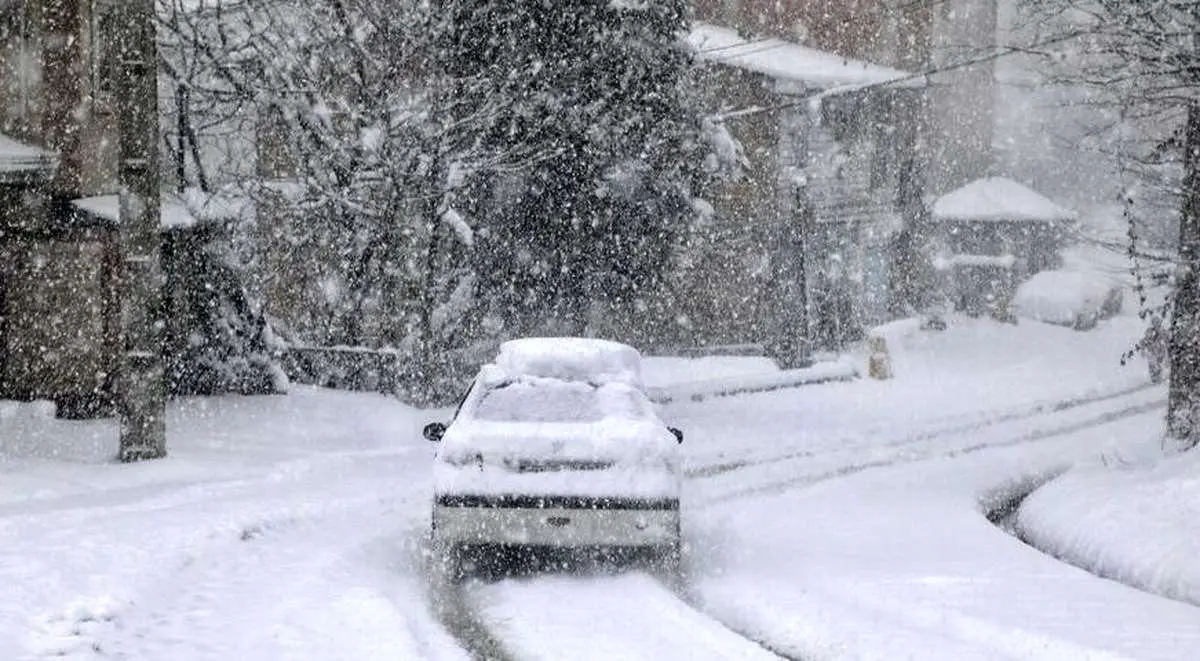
556 446
1068 298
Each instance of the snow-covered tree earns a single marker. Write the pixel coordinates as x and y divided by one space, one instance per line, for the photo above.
1142 60
593 91
334 97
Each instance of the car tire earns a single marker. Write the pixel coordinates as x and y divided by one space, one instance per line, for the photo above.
665 560
449 561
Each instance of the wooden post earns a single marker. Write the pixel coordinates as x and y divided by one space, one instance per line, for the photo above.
141 392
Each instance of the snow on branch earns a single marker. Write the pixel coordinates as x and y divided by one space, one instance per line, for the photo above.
455 221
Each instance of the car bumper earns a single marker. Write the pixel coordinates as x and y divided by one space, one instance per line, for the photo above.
567 523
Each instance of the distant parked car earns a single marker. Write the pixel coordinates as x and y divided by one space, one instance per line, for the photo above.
556 446
1075 299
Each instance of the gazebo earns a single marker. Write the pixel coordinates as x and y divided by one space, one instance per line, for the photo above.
992 234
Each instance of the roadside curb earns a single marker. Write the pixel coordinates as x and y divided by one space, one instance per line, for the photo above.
841 370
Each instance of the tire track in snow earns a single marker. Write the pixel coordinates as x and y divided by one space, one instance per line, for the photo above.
1071 418
584 617
999 435
449 603
936 432
334 588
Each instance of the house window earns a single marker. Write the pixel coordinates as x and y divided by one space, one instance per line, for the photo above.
20 63
102 73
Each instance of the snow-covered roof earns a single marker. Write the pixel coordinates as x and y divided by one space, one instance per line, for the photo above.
17 156
785 60
998 199
177 210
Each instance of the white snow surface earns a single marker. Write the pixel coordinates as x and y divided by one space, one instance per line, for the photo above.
1135 519
840 521
900 563
278 528
784 60
998 199
665 371
842 369
1061 297
581 619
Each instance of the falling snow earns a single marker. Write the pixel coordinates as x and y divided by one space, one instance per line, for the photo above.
599 329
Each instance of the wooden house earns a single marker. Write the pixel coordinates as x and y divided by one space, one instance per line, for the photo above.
59 336
811 232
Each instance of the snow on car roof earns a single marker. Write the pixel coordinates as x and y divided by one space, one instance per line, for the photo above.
571 359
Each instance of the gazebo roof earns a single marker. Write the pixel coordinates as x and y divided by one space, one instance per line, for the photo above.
998 199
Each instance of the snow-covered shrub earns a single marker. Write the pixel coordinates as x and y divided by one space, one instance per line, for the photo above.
218 340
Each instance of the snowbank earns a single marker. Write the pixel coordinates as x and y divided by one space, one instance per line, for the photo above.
1138 524
991 261
1067 298
175 211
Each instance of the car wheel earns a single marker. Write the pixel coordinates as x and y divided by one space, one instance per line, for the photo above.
449 561
665 560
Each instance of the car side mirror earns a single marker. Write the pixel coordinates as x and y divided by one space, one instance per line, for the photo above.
434 431
678 434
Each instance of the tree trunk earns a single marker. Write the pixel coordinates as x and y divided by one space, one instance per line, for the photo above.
1183 405
427 359
141 391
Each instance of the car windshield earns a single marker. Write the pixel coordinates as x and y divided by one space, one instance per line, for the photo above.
542 401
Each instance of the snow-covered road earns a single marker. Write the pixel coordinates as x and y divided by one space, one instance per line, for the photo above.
292 528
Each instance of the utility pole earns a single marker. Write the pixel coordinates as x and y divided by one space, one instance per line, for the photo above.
141 389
